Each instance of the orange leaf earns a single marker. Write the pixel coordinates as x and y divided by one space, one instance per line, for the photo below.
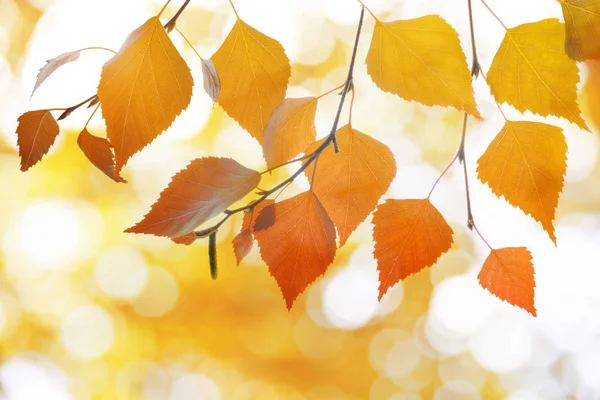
299 246
526 164
36 133
592 92
290 130
350 184
243 241
254 71
409 235
508 274
186 239
99 152
52 65
142 90
204 189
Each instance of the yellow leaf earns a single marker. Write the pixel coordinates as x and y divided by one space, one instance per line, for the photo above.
526 164
350 184
142 90
532 72
582 20
421 59
290 130
254 71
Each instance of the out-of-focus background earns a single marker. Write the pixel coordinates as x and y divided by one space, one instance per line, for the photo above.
88 312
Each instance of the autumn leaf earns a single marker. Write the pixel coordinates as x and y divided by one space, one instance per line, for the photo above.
99 152
204 189
508 274
211 83
582 25
290 130
254 72
52 65
350 184
409 235
421 59
531 72
186 239
591 89
142 90
299 246
37 131
243 241
526 164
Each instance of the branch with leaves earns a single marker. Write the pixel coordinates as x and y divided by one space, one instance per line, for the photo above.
420 60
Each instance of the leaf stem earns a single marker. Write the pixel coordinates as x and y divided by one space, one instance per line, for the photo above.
497 104
475 65
234 10
163 8
96 48
310 158
191 45
171 23
90 118
481 236
494 14
286 163
330 91
442 175
368 10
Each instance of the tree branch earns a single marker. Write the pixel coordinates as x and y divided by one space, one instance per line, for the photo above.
171 23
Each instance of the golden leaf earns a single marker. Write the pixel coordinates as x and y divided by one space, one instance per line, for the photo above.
582 21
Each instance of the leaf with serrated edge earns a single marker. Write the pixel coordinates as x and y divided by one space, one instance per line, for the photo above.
52 65
99 152
350 184
531 72
421 59
526 163
204 189
37 131
409 235
299 246
254 72
582 25
142 90
290 130
243 241
507 273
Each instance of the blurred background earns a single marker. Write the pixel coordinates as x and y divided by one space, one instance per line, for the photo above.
88 312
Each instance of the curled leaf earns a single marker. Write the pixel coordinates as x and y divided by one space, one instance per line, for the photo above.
99 152
210 79
37 131
243 241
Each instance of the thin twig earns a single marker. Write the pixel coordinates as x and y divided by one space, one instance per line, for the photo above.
311 157
171 23
69 110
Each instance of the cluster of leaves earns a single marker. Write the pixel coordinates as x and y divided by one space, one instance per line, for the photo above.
147 84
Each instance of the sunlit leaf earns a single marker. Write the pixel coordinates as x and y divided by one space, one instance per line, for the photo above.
204 189
508 274
299 246
99 152
582 21
421 59
142 90
350 184
36 133
253 71
531 71
52 65
409 235
526 164
290 130
243 241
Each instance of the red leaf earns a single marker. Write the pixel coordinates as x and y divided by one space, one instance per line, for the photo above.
36 132
409 235
204 189
508 274
300 246
243 241
99 152
186 239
